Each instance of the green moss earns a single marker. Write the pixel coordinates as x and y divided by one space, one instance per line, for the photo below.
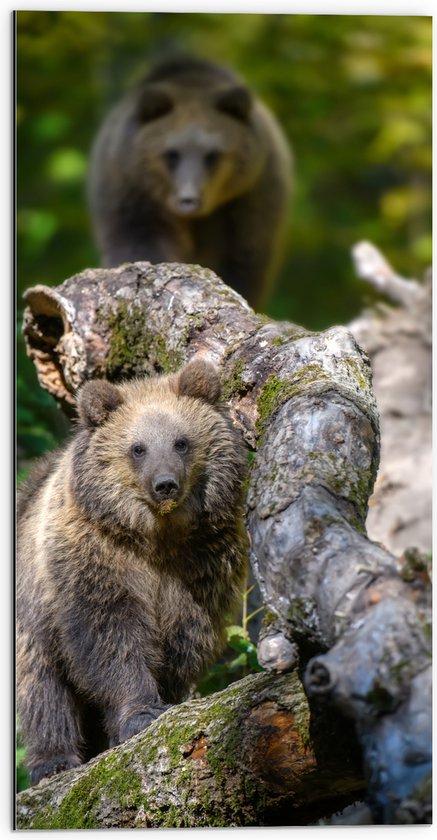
198 806
298 611
427 630
196 323
415 564
41 821
264 319
176 738
133 349
128 346
357 372
224 755
277 391
233 384
312 378
269 617
224 293
79 808
340 476
167 360
401 672
292 333
268 401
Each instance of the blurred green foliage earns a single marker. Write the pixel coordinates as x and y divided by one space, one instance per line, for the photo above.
238 660
22 775
239 657
352 92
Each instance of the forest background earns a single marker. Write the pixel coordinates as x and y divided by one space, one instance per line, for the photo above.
353 94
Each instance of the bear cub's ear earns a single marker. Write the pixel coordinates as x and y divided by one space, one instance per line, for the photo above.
199 379
95 402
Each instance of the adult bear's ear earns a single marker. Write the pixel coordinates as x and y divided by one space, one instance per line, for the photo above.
96 399
199 379
153 102
236 101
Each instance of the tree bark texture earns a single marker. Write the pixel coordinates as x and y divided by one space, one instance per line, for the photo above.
246 756
344 610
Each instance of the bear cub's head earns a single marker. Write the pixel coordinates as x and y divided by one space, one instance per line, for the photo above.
156 448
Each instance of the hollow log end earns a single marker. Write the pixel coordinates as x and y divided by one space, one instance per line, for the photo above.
48 328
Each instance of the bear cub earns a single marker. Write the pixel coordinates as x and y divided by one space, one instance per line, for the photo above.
191 167
131 552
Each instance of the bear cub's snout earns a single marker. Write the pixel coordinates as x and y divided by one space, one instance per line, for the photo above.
165 487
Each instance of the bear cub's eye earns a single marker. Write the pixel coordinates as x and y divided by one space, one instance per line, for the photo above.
181 445
138 450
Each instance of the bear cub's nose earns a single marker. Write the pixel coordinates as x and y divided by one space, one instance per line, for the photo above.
165 487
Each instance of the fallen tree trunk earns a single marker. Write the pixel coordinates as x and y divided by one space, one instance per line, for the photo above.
304 402
243 757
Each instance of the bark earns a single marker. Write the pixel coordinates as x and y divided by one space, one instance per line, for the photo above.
304 402
244 757
397 337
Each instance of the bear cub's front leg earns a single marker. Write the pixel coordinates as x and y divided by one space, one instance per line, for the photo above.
52 766
136 722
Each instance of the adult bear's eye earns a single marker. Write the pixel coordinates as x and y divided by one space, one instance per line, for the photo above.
138 450
172 158
181 445
211 159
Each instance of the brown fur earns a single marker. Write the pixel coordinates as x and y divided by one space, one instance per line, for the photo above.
131 551
190 167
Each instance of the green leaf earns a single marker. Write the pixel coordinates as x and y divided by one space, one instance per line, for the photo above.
234 630
238 662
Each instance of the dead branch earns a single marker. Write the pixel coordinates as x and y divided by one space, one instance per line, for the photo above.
372 266
398 340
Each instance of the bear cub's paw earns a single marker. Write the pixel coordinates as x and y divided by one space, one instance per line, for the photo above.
140 721
51 766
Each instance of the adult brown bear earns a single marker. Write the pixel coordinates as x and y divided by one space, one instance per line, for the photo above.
190 167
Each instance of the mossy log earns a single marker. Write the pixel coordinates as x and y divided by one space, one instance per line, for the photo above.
354 618
246 756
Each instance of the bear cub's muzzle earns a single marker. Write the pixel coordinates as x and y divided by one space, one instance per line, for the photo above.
165 487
